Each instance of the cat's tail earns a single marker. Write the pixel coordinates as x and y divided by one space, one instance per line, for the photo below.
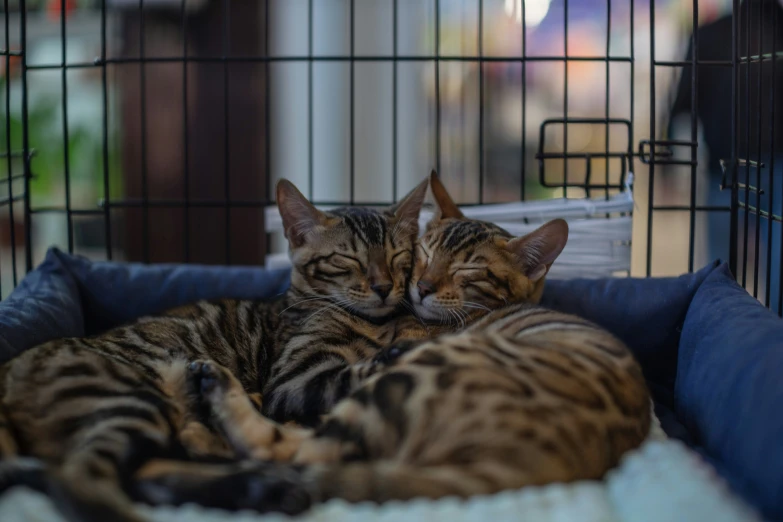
384 481
87 500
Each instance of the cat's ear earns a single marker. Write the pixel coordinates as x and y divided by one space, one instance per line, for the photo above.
300 217
539 249
406 211
446 206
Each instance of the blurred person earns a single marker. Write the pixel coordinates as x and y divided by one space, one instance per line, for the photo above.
714 110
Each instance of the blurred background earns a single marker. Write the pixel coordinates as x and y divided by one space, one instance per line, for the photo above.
208 130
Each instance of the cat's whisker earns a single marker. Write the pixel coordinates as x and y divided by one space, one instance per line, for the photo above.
321 311
347 300
453 313
465 317
408 306
344 301
334 304
322 298
413 311
471 304
342 304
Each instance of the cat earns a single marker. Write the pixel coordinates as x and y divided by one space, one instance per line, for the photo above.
522 396
90 411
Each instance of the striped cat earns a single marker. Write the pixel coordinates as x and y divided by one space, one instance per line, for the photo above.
93 410
523 396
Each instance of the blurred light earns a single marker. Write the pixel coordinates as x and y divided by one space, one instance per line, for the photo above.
535 11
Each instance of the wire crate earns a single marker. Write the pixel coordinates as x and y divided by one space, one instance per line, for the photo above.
154 130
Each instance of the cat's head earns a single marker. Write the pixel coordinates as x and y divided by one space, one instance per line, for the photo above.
464 266
358 258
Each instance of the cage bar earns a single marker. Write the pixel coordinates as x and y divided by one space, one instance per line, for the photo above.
750 189
25 137
694 129
226 129
436 60
66 159
653 136
185 134
8 152
105 131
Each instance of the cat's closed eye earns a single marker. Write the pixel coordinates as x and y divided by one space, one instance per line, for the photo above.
424 254
347 261
402 255
335 271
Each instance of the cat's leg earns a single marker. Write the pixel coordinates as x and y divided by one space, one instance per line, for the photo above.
235 415
233 485
198 434
229 486
292 489
199 441
360 454
254 436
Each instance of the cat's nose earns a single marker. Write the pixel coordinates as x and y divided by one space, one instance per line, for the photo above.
383 289
425 288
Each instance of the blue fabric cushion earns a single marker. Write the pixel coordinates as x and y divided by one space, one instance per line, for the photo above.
647 314
729 388
69 296
44 306
716 386
113 294
93 296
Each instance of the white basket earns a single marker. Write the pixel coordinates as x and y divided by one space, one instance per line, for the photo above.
598 246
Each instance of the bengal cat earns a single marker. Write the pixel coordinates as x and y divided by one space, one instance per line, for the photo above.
523 396
90 411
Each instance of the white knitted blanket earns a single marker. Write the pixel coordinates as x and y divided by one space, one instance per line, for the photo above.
662 481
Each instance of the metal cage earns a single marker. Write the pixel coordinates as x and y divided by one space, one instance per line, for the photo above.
195 107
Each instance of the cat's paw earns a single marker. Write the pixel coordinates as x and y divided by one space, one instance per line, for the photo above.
394 351
258 486
207 378
273 493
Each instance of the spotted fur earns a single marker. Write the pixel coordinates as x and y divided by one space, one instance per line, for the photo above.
522 396
94 410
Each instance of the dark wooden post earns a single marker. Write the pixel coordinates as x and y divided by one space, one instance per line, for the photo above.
212 234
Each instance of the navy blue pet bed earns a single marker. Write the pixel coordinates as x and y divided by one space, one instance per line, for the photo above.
712 354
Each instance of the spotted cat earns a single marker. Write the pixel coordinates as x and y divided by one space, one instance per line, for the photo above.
522 396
